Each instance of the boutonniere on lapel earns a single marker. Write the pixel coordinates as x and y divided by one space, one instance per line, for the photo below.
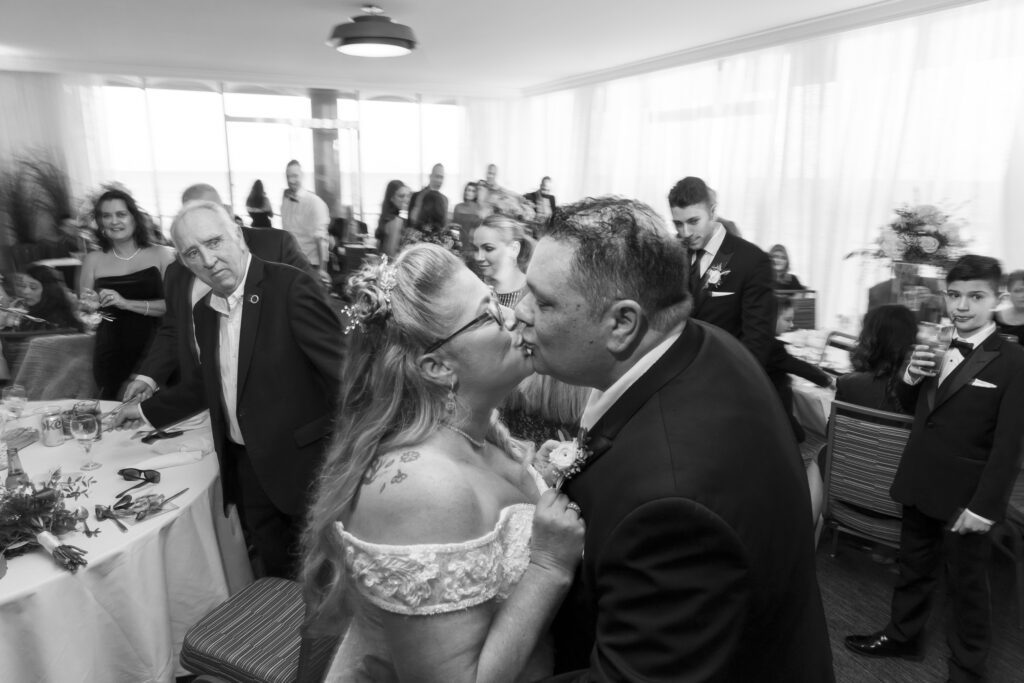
564 460
254 299
714 276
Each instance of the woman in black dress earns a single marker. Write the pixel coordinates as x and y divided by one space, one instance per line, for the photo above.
888 334
40 291
125 280
258 206
783 279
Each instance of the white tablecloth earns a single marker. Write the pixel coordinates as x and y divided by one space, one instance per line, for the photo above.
124 616
812 404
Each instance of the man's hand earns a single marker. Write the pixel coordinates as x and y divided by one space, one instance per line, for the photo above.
137 389
967 523
128 416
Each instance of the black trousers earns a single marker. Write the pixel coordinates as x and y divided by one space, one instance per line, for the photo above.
925 545
275 535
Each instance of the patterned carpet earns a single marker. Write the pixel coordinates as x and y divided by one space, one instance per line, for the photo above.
856 592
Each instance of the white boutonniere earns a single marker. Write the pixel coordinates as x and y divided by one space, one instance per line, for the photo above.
715 275
565 459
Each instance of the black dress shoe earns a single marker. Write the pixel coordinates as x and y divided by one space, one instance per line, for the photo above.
881 645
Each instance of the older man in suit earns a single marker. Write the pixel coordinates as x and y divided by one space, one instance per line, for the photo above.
698 560
269 367
730 278
172 353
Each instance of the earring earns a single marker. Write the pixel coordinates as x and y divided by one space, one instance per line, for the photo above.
449 404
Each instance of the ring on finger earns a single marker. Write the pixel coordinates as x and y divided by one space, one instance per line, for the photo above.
574 507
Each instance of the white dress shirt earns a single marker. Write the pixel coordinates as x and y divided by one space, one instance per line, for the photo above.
230 310
711 249
600 401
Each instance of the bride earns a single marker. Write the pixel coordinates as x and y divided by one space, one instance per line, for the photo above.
428 530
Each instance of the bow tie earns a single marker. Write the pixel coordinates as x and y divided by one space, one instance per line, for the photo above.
963 347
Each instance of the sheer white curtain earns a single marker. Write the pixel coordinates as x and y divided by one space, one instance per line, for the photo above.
810 144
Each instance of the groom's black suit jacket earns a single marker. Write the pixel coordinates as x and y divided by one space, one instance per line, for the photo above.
699 553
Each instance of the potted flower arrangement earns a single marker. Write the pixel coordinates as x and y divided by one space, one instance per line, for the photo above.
922 242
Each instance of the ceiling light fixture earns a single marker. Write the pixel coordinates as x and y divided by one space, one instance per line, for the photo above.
373 35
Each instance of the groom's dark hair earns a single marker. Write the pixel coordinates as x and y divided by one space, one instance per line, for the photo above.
624 251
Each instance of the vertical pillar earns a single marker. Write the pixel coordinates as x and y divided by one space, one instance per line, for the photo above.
326 170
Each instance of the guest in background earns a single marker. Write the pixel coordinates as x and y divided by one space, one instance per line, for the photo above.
730 279
1011 320
783 279
174 355
543 201
305 215
391 224
41 292
467 212
886 338
127 276
435 183
258 206
432 225
955 476
781 365
490 180
502 253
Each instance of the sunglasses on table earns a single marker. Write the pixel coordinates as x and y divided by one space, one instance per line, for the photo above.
133 474
492 312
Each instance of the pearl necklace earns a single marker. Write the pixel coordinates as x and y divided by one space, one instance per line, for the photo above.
475 442
125 258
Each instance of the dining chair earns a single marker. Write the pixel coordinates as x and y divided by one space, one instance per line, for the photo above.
257 636
863 450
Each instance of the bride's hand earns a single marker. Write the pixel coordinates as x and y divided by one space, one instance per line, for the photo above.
542 464
557 541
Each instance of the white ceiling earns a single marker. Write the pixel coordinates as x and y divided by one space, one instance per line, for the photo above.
466 47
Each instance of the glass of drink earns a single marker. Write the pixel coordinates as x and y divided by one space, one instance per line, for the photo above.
937 337
90 407
85 427
15 398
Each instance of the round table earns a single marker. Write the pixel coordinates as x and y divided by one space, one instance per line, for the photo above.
124 616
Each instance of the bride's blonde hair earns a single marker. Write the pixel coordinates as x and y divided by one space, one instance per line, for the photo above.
385 404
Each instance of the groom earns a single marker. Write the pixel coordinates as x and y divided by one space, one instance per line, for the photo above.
698 563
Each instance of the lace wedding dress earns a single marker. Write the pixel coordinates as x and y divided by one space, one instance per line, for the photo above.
427 579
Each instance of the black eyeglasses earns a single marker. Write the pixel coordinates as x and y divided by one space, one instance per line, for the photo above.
493 312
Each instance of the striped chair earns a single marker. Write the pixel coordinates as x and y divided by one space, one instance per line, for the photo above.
256 637
863 451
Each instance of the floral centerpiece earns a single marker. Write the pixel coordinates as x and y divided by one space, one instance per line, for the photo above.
34 515
921 234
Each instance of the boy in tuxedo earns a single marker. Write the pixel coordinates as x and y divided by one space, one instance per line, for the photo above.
956 474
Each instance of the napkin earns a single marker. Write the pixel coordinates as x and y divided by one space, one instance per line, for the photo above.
176 454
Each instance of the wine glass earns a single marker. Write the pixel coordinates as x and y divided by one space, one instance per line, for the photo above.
85 428
15 398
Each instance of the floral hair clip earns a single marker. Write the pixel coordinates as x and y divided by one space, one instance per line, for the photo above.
387 277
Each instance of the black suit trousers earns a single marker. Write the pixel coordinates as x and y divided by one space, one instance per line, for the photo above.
925 544
275 535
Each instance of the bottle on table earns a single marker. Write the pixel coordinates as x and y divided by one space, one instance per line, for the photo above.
15 472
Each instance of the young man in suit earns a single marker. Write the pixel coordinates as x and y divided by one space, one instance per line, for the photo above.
730 278
956 474
171 357
543 201
270 361
699 552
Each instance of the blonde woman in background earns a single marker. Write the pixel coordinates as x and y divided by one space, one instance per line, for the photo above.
503 251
